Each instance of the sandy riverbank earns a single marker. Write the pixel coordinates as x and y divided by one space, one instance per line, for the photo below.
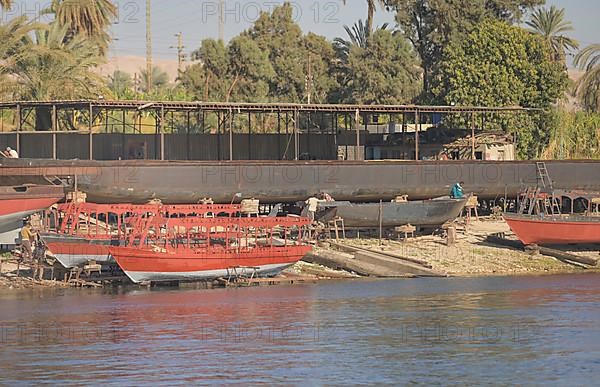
13 276
472 255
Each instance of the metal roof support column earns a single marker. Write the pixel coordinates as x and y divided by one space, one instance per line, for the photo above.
91 131
219 124
249 136
19 127
417 123
230 119
162 132
473 136
308 122
357 127
54 129
296 135
334 128
187 133
279 157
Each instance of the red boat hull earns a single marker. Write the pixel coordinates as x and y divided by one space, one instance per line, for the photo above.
188 265
555 230
17 203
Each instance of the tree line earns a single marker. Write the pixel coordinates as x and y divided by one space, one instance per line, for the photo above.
443 52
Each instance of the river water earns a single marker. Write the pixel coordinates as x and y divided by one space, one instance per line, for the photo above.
523 330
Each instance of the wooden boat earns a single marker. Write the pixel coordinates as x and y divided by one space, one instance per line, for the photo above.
83 232
540 220
555 230
432 213
17 203
202 248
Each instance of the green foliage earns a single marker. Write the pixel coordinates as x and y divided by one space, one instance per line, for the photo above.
502 65
121 84
238 72
499 65
386 71
249 71
272 61
371 7
432 25
588 87
281 37
53 67
358 36
573 136
160 79
551 25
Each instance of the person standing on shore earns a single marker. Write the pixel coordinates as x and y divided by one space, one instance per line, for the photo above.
312 204
458 191
27 239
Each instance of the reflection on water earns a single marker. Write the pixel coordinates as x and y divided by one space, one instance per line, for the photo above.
504 330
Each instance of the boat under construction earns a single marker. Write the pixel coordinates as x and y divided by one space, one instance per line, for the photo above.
191 249
420 213
161 243
78 233
550 217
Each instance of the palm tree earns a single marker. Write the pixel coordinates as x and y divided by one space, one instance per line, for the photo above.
87 17
551 25
358 35
588 87
372 6
159 79
14 35
51 67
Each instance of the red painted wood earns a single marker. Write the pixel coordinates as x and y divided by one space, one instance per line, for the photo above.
13 206
554 230
189 260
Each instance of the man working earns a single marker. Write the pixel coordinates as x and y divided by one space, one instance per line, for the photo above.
11 153
27 238
458 191
312 204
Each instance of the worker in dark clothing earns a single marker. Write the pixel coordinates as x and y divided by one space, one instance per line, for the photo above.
458 191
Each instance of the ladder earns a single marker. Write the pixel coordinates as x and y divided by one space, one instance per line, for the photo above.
528 201
543 176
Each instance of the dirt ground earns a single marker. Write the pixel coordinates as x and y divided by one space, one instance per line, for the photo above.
472 255
10 280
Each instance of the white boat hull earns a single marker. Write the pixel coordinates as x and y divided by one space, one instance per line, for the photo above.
262 271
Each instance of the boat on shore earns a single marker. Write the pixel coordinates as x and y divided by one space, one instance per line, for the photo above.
83 232
192 249
273 182
17 203
555 230
541 221
425 213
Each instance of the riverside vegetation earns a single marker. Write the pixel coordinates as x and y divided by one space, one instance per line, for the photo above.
445 52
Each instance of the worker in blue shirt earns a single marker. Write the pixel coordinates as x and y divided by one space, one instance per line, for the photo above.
458 191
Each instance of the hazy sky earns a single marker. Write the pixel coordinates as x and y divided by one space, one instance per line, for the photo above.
197 20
